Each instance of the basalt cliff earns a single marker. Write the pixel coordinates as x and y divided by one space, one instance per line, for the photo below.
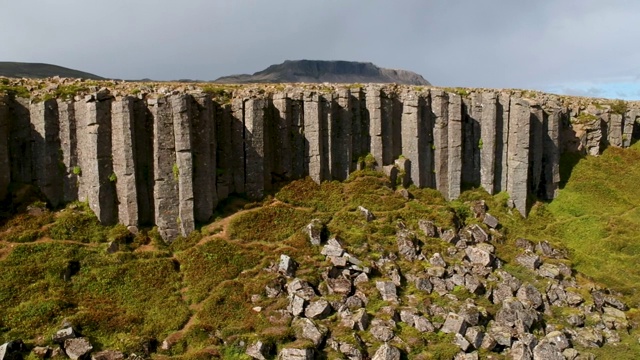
166 154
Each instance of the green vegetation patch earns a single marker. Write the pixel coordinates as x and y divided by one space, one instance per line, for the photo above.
269 224
206 266
326 197
77 222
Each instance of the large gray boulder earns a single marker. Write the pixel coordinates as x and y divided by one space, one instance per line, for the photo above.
77 348
387 290
547 351
386 352
258 350
307 329
12 350
454 324
296 354
314 231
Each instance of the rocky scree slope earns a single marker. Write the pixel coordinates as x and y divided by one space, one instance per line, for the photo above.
167 154
318 71
350 270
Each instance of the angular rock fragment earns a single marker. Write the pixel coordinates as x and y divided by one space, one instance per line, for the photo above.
428 228
547 351
258 350
296 354
529 259
287 266
481 254
387 291
454 324
490 221
314 231
368 215
77 348
108 355
318 309
406 245
12 350
386 352
307 329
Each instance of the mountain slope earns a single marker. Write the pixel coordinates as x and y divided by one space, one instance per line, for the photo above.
38 70
317 71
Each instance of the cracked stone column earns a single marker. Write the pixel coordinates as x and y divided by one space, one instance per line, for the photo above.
21 152
255 146
440 109
455 146
471 117
426 144
93 115
615 130
5 166
328 120
341 136
237 162
313 136
627 129
488 141
124 167
282 149
224 152
360 129
412 137
182 113
536 146
298 158
518 154
374 108
143 160
551 155
389 127
47 163
204 158
69 147
165 170
502 142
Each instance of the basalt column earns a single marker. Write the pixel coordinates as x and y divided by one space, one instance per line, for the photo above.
341 136
374 108
182 113
69 147
237 161
551 155
414 136
96 181
518 154
297 141
487 143
283 151
472 115
536 146
258 174
165 170
502 141
627 129
360 126
204 158
327 106
20 149
313 136
440 110
5 167
47 164
455 146
615 130
143 129
124 167
224 151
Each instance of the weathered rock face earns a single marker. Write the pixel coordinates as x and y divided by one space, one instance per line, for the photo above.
168 157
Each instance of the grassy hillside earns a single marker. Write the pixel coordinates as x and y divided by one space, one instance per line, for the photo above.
37 70
200 294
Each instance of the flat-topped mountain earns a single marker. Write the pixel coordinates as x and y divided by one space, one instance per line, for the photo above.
38 70
318 71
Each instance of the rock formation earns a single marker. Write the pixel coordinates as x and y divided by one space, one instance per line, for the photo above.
169 154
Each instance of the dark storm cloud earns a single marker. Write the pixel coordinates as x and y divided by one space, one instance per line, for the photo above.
501 43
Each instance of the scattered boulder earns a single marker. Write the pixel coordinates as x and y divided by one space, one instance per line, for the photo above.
386 352
478 234
547 351
455 324
529 259
306 329
77 348
368 215
428 228
258 350
387 290
296 354
61 335
481 254
406 245
490 221
318 309
12 350
287 266
314 230
41 352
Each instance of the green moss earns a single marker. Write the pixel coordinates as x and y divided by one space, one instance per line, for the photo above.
78 223
77 171
619 107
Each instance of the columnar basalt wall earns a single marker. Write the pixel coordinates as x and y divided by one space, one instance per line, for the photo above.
168 157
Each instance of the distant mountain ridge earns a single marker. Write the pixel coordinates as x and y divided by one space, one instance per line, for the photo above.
40 70
319 71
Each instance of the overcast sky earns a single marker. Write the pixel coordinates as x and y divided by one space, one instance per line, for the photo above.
583 47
